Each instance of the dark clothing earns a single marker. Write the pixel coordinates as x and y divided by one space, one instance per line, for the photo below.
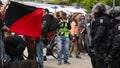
102 29
1 22
31 46
99 39
92 57
1 25
115 63
2 49
31 53
100 56
49 23
48 26
20 64
14 46
114 52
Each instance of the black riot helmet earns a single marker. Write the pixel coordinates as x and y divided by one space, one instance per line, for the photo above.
99 8
115 12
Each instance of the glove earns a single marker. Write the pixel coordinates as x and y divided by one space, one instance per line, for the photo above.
92 44
108 59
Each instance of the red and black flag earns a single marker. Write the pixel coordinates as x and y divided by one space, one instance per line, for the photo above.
24 19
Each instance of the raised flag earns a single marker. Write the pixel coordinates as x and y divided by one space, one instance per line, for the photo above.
24 19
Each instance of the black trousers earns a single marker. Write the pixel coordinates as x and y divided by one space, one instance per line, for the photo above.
100 55
31 52
92 57
115 64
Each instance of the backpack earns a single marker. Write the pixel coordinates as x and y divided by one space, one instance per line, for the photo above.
49 24
53 24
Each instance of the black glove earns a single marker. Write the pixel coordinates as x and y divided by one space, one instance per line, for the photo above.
92 44
108 59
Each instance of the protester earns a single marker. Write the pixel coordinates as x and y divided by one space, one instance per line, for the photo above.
82 28
63 39
56 21
4 27
31 46
41 44
44 39
74 35
14 47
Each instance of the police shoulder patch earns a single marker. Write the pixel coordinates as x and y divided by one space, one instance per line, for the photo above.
118 27
101 20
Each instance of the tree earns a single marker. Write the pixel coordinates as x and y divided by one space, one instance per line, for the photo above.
88 4
110 2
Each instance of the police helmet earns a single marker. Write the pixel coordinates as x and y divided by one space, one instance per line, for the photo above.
99 8
115 12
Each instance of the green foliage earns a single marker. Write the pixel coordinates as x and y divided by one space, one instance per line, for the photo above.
88 4
52 1
74 1
110 2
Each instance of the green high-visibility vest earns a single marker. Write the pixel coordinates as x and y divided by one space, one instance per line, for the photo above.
63 30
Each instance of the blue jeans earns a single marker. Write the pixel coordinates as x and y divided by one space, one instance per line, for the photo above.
39 50
63 42
3 56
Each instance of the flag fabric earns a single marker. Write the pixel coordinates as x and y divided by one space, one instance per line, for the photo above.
24 19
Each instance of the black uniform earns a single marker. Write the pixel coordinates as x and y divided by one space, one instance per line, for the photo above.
100 34
14 47
114 52
100 39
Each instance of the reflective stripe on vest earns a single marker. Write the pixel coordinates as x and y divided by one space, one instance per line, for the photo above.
64 31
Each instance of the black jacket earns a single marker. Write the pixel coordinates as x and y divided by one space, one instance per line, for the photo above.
1 22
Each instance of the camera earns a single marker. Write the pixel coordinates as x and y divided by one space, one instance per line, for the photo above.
62 25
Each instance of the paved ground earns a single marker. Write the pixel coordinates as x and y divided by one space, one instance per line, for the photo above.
83 62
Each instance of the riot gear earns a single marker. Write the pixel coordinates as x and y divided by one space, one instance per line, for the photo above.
99 34
99 8
115 12
113 53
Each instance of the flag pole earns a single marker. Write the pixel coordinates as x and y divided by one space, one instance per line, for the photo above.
113 3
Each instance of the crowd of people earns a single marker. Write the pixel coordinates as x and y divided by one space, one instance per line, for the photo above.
97 34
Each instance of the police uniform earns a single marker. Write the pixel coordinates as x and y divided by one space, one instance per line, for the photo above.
113 50
114 54
100 39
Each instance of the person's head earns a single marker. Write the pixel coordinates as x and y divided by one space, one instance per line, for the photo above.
57 14
1 4
82 16
115 12
63 15
75 17
99 8
46 11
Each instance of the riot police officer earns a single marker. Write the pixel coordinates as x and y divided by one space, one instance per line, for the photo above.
100 34
114 51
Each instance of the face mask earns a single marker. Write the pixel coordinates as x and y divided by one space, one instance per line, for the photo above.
97 15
